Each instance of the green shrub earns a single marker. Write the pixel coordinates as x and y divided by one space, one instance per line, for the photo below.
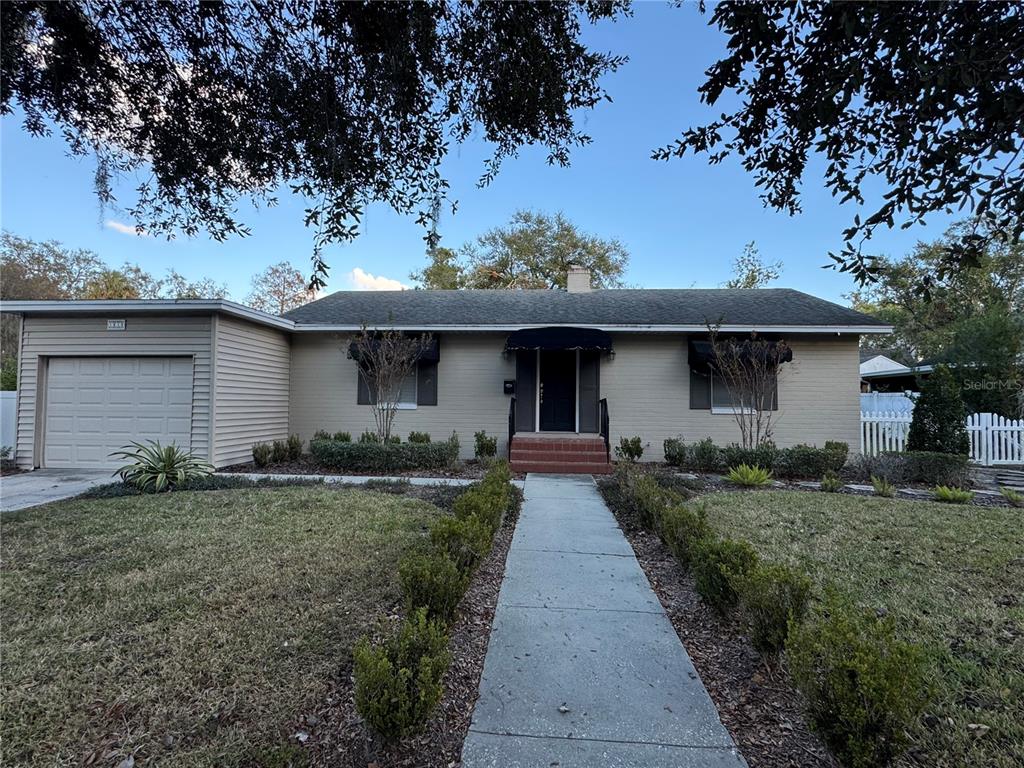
261 453
419 437
676 452
321 434
883 487
1016 498
343 437
771 597
706 456
751 477
369 437
939 422
294 447
831 482
466 540
486 447
629 449
838 452
951 495
486 501
432 581
809 461
154 468
367 456
864 688
715 563
398 682
936 468
279 451
646 498
764 455
888 466
682 529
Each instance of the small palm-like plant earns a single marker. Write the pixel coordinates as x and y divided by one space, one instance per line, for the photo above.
1016 498
883 487
831 482
154 468
752 477
950 495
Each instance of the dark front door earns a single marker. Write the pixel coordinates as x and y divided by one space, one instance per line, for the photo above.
558 391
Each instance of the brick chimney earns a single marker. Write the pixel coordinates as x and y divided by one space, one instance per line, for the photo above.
578 280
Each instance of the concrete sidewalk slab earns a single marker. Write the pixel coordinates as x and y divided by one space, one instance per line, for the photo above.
571 535
584 667
575 580
30 489
516 751
563 673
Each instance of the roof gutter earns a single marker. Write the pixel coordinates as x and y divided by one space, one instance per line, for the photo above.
148 307
164 306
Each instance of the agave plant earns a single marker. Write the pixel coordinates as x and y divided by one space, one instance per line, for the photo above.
154 468
751 477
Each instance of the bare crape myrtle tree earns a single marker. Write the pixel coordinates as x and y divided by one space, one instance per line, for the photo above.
748 367
386 359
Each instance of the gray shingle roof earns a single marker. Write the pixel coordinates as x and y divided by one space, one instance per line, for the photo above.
650 306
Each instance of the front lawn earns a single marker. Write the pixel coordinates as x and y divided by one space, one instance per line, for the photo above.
190 628
950 576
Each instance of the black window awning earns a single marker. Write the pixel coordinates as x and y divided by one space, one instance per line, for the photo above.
701 353
559 338
430 353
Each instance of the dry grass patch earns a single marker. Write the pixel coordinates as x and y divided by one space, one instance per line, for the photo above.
951 577
188 628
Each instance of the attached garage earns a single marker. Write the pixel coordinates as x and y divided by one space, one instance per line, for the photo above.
97 405
210 376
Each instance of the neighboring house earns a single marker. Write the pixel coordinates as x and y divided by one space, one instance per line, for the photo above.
879 373
216 377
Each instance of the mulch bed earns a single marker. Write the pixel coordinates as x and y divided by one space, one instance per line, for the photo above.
335 734
710 482
463 470
755 698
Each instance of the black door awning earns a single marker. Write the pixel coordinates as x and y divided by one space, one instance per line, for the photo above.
701 353
430 353
559 338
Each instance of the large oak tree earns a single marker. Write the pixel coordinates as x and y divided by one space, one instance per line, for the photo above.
345 103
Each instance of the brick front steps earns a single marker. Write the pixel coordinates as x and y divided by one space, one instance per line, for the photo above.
568 455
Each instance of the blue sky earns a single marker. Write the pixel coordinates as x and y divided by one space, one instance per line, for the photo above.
683 222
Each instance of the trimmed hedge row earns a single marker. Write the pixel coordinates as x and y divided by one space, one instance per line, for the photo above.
863 686
797 461
383 457
398 681
925 467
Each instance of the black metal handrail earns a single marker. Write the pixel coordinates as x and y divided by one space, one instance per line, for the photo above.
605 429
511 424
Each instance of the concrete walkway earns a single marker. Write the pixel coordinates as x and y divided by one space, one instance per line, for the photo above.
584 669
29 489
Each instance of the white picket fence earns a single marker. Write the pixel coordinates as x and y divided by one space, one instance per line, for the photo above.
880 402
995 440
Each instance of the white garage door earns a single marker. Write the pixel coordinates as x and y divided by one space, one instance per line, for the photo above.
97 405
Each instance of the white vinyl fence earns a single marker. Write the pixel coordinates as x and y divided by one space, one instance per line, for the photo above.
995 439
8 406
880 402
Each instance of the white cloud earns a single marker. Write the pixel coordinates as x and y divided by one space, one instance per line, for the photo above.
364 281
125 229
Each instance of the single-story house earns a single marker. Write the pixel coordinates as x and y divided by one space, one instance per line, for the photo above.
217 377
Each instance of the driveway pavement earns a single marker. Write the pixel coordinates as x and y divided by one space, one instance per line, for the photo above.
29 489
584 668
